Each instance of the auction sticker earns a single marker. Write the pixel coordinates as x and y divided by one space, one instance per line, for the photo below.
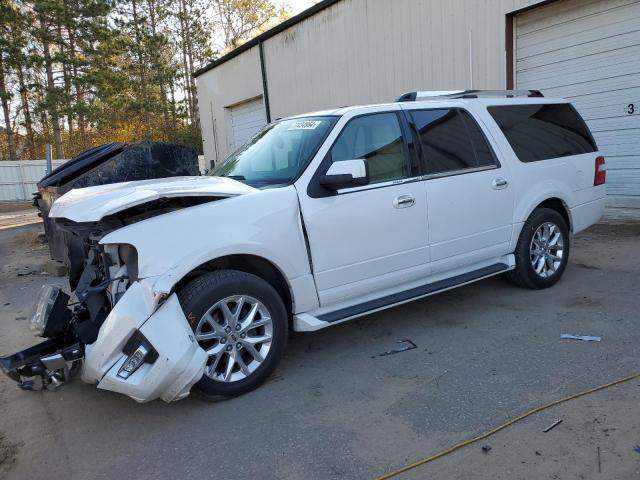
304 125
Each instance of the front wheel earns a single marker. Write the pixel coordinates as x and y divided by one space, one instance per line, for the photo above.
542 251
241 322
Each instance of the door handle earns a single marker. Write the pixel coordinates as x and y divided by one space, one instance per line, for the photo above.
403 201
499 184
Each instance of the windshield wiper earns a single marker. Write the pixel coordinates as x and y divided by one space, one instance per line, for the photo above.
236 177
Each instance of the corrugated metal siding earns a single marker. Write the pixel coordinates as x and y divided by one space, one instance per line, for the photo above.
246 119
589 51
371 51
361 51
18 180
231 83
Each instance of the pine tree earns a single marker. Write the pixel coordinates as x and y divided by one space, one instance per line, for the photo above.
76 73
9 23
195 45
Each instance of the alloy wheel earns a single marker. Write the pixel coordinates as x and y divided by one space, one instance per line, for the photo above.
236 332
547 249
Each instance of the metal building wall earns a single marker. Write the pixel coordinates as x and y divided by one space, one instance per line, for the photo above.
363 51
227 85
588 51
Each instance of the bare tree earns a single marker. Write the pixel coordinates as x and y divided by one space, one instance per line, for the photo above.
239 18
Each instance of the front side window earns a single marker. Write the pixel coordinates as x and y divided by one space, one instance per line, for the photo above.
376 138
278 153
543 131
451 140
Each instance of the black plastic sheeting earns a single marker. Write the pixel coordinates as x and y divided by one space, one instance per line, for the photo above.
110 163
80 164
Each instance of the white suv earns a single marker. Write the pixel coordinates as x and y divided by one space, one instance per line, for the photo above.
317 220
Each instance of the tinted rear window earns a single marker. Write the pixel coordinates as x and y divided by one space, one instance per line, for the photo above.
540 132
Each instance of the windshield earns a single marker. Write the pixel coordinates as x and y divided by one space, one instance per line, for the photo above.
278 153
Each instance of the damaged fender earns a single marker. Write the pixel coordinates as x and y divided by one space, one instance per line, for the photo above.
270 229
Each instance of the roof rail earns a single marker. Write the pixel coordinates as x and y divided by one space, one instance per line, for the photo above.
426 95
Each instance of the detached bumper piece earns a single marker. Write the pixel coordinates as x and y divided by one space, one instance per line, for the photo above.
142 350
47 365
53 362
160 357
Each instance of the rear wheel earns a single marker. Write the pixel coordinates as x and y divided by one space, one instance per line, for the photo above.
542 251
241 322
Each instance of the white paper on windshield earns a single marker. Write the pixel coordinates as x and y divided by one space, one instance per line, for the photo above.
304 125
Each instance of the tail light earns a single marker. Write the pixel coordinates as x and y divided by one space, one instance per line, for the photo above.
601 172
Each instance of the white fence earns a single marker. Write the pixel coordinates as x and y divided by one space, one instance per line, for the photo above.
18 180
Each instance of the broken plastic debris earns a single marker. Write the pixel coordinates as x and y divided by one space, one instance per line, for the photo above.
584 338
24 274
599 462
410 346
553 425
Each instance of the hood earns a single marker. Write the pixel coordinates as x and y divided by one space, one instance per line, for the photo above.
91 204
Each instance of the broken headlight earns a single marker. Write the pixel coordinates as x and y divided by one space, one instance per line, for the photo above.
129 257
121 262
50 315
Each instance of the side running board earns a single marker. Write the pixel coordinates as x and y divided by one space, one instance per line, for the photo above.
306 322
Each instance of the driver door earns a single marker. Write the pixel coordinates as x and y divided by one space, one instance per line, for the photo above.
368 240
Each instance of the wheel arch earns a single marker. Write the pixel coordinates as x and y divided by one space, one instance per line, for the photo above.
525 273
553 201
557 204
253 264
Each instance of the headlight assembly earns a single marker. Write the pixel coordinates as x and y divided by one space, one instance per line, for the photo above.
129 257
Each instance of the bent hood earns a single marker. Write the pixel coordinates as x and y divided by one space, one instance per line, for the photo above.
91 204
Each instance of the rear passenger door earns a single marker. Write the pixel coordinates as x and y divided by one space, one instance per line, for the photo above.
469 193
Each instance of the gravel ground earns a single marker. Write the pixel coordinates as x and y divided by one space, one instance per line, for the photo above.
334 409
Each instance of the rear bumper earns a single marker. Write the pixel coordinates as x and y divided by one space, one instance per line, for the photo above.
587 214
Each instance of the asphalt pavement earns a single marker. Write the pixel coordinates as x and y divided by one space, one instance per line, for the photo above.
336 408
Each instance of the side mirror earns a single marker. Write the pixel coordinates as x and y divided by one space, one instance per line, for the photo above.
346 173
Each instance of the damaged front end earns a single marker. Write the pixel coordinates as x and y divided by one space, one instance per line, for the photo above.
67 325
113 329
47 365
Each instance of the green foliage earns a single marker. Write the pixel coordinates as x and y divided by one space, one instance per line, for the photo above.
78 73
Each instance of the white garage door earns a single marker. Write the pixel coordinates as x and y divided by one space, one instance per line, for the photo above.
246 119
589 51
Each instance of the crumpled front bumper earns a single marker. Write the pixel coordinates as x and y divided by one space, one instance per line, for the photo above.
180 362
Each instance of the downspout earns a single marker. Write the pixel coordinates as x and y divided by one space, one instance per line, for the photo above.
265 87
470 61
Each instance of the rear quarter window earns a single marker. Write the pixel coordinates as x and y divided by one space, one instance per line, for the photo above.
543 131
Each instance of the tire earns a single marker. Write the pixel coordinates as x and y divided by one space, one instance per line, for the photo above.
203 301
527 251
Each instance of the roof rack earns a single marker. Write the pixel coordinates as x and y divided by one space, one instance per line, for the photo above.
426 95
